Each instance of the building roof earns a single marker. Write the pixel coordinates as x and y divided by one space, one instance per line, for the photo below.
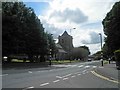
58 46
65 34
60 49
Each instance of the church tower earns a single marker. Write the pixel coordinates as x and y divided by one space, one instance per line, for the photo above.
65 40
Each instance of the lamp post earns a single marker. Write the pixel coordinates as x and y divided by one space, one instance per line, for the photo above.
69 43
101 48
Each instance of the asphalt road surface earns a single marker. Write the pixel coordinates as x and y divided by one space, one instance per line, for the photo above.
77 75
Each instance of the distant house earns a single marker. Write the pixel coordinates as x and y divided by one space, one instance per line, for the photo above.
64 46
61 54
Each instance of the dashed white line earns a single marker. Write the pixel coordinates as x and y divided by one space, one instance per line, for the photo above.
72 76
30 72
73 65
79 74
86 66
58 77
80 66
56 81
65 78
67 75
44 84
101 67
94 66
4 75
84 71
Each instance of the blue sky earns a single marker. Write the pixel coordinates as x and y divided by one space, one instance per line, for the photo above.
84 15
39 7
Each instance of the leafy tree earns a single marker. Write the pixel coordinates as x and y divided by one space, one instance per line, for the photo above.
23 32
111 25
85 47
79 53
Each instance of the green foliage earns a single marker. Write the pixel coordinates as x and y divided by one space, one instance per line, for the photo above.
117 55
111 25
22 32
79 53
85 47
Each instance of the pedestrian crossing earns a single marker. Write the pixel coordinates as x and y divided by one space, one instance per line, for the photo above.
79 66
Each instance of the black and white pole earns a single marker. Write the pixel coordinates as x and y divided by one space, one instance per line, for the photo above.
50 57
101 48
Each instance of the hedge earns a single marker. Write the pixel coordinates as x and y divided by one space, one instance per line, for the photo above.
117 54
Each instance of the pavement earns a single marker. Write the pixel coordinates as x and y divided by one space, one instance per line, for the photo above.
109 71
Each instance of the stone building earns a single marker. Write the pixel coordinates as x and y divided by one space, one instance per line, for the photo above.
64 45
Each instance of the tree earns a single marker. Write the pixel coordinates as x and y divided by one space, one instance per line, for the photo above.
85 47
111 25
79 53
23 32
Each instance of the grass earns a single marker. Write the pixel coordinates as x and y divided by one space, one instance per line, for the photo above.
16 60
53 61
105 62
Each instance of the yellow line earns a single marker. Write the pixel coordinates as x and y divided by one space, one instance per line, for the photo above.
103 77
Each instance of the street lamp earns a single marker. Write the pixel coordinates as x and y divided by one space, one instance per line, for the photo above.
69 44
101 48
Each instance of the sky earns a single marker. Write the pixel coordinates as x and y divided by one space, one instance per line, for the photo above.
85 16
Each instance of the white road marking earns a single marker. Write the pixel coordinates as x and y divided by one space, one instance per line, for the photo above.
94 66
73 65
79 74
30 72
65 78
84 71
72 76
44 84
80 66
101 67
38 71
67 75
56 81
87 66
4 75
28 88
87 72
58 77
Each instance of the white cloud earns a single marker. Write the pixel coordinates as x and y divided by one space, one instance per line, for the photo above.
76 16
86 16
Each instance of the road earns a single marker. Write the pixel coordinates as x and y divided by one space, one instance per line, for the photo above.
73 75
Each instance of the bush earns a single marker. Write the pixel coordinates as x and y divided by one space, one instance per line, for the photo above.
117 58
117 55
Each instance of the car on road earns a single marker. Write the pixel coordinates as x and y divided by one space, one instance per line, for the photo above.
89 59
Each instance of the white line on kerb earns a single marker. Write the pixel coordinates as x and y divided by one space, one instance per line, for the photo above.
31 87
44 84
56 81
28 88
65 78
